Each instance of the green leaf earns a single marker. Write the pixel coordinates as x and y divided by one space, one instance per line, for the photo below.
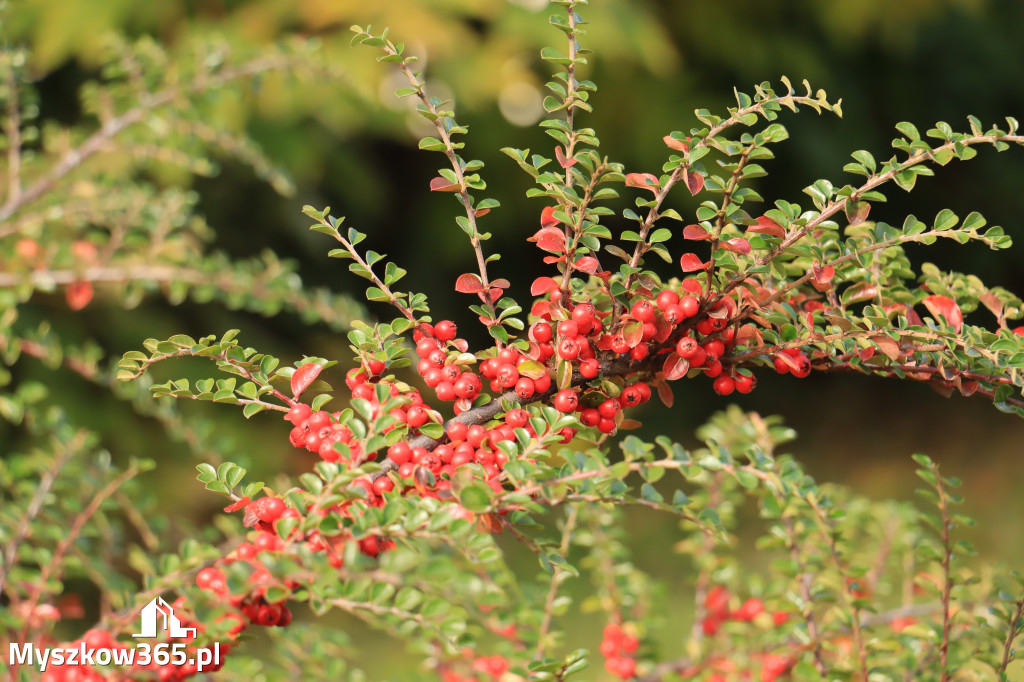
475 497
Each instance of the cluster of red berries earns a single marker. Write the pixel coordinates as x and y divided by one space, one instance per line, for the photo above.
618 647
490 667
96 640
717 610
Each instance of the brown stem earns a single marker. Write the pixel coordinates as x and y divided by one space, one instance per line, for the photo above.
557 575
97 142
834 207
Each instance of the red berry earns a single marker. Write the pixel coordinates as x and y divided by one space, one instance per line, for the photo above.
803 367
584 315
400 453
451 373
445 330
713 369
590 368
640 352
457 431
667 298
269 509
714 349
445 391
489 367
674 314
643 311
609 408
508 355
566 400
417 416
606 425
382 485
524 388
644 389
745 383
476 434
690 305
568 349
568 329
468 386
425 347
619 344
542 383
724 385
517 418
507 375
541 332
299 413
212 579
750 610
590 416
631 397
687 347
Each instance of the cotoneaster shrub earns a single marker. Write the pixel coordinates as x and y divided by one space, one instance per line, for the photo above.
426 477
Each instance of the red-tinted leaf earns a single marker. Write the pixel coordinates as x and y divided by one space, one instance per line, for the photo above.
673 143
633 333
587 264
767 226
994 305
693 286
968 388
250 519
501 283
540 308
737 245
947 307
547 217
550 239
749 332
695 232
865 291
690 263
496 294
866 354
1019 331
551 260
563 161
890 348
857 211
675 367
304 376
822 275
235 506
469 283
665 393
694 181
642 180
78 295
481 212
543 285
440 184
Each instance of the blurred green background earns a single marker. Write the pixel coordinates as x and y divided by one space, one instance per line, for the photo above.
351 145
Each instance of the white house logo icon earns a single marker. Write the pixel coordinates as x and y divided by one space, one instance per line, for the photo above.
150 620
